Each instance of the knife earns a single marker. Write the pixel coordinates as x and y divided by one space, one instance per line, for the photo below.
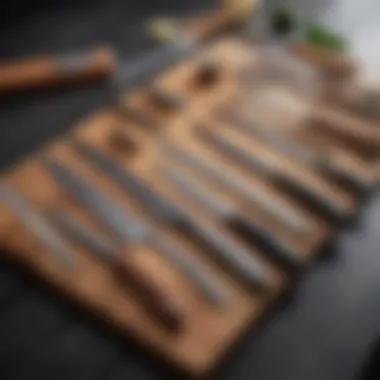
259 165
227 249
167 309
182 43
278 208
291 148
196 273
228 211
37 224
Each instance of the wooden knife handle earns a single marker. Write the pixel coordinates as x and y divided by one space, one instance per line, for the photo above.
329 63
352 169
347 126
47 71
207 26
157 299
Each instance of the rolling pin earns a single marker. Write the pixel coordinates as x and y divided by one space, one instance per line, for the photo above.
51 71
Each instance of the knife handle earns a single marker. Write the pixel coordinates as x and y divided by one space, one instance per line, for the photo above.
49 71
155 296
347 126
214 23
313 196
331 64
272 242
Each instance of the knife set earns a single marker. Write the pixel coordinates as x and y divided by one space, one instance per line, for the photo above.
182 213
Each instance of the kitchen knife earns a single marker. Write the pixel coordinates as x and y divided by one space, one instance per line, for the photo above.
228 249
227 210
259 165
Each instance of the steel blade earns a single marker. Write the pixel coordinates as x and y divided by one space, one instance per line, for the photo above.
225 147
290 148
279 209
37 224
223 210
145 67
148 197
168 212
95 201
257 165
198 276
92 241
228 212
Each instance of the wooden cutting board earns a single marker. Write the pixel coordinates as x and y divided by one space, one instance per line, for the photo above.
209 333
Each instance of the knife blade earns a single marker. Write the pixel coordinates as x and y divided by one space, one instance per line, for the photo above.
278 208
257 164
291 148
229 250
156 299
174 253
104 209
200 278
227 210
145 67
37 224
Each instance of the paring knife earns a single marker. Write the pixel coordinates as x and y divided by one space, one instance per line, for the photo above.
239 258
163 306
257 164
291 148
278 208
227 210
37 224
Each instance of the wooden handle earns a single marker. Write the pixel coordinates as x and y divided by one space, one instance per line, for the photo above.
351 168
214 23
165 308
346 126
329 63
46 71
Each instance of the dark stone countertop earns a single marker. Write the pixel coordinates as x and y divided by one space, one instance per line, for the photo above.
325 332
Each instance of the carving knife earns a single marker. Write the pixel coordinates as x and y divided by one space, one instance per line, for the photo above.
166 308
278 208
176 48
291 148
37 224
197 274
258 165
229 250
227 210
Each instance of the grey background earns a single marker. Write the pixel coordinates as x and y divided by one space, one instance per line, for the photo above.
327 330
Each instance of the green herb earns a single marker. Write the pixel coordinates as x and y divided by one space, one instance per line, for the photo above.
322 36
